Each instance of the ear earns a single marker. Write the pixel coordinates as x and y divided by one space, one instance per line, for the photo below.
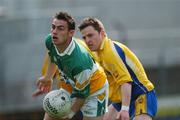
103 33
71 33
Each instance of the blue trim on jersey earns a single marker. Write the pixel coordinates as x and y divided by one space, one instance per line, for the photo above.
152 106
137 87
117 106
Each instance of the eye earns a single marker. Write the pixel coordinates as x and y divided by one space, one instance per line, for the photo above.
53 27
60 28
84 37
90 35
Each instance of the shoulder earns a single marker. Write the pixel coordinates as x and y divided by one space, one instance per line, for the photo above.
48 41
80 49
81 58
120 45
116 43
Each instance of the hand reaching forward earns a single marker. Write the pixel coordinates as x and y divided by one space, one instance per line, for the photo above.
44 85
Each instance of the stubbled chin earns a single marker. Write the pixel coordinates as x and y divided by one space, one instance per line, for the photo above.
91 48
55 42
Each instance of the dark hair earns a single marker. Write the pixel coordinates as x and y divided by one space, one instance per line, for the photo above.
90 22
66 17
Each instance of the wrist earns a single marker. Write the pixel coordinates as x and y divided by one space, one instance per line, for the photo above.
126 108
47 77
71 114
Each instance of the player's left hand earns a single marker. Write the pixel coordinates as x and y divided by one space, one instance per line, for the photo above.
68 116
44 85
38 92
65 118
123 115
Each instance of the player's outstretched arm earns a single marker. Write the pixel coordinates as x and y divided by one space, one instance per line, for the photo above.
44 83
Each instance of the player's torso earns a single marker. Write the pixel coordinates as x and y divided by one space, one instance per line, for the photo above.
114 53
106 60
74 63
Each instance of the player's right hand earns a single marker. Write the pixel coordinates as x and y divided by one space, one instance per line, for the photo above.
44 85
123 115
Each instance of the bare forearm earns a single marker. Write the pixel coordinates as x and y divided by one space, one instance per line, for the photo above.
126 97
126 94
77 104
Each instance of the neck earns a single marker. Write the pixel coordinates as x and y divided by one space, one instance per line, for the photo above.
101 43
62 48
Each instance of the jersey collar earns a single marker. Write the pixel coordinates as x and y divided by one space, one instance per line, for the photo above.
68 50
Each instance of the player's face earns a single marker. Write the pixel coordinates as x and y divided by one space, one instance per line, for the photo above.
92 38
60 32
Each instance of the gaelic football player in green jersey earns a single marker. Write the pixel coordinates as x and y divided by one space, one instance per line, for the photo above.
75 64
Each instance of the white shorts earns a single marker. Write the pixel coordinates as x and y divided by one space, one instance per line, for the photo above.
97 103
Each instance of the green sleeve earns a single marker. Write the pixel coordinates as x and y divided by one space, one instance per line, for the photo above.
49 45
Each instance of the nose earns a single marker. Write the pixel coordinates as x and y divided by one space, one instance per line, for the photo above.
54 31
87 40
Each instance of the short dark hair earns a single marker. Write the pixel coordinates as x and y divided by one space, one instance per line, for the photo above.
89 21
66 17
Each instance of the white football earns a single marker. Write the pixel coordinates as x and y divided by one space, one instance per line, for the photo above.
57 103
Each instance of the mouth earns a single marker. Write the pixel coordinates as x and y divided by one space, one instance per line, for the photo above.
90 46
54 37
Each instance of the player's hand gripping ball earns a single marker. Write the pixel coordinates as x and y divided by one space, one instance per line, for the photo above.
57 103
